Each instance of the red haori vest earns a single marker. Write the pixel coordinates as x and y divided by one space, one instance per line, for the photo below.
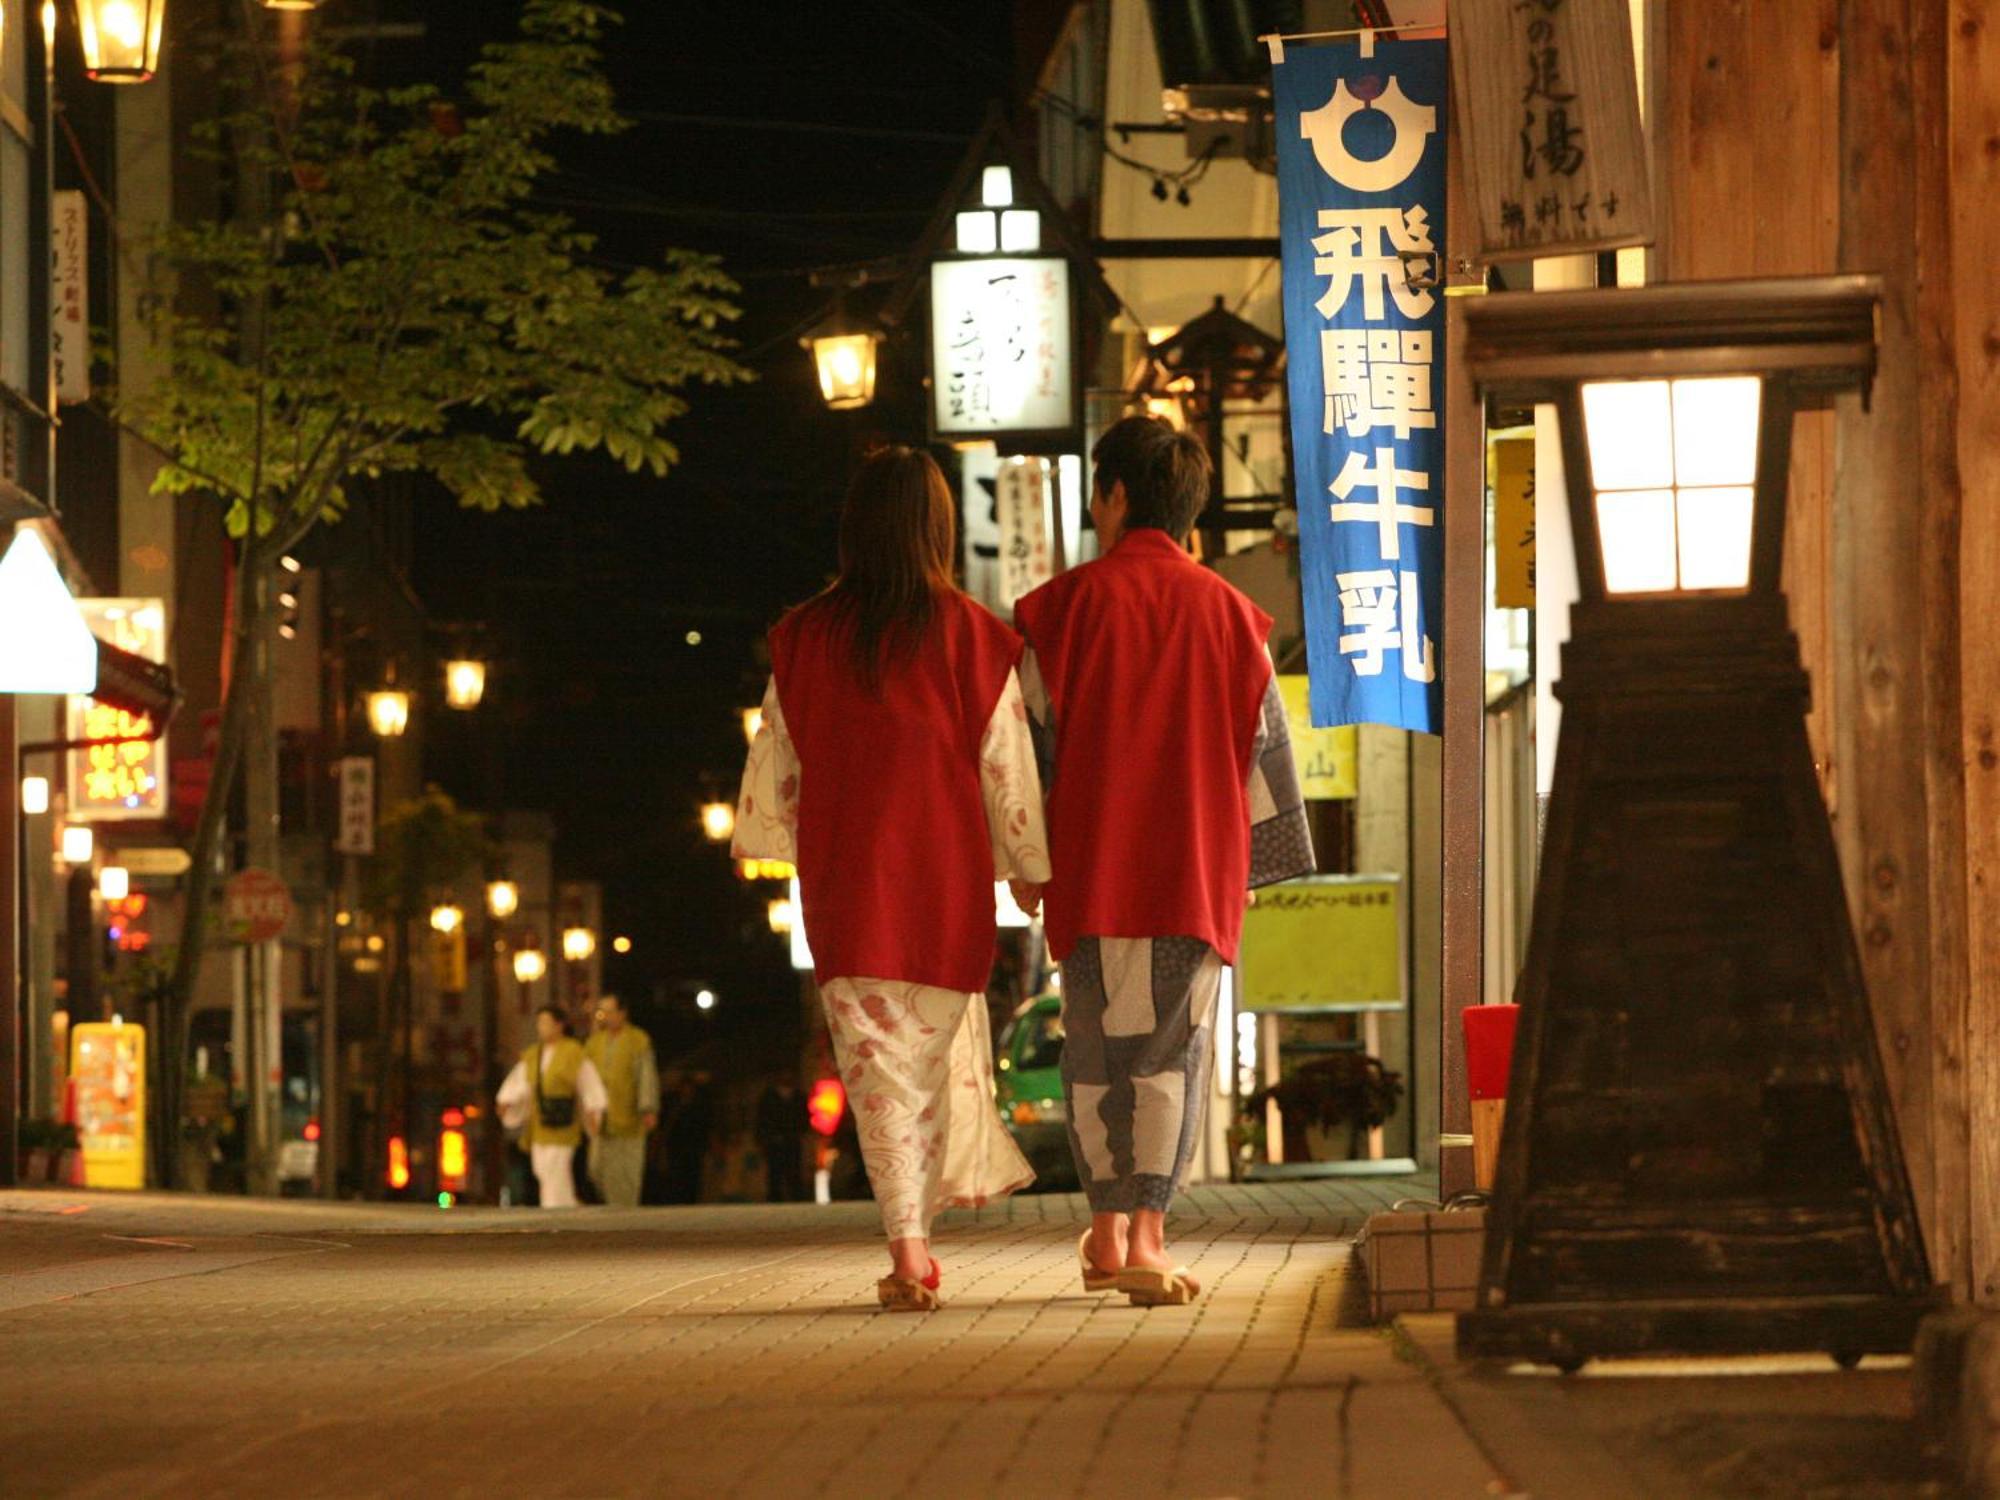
1156 671
895 860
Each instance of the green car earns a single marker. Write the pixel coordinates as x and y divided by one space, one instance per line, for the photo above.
1030 1092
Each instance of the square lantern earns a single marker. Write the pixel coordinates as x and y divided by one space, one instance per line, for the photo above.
120 38
1700 1153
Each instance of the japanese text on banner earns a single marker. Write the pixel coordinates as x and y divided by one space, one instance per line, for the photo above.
1361 153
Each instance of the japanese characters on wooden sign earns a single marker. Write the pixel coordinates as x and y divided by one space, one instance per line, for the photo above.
1000 347
1511 468
1361 196
1548 100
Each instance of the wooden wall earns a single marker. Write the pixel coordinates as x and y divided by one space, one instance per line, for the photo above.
1865 135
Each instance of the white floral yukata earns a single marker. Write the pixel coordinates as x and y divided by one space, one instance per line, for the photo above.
917 1060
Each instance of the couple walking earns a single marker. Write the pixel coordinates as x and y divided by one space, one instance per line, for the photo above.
907 741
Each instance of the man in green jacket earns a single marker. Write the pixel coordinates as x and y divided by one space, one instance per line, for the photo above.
623 1057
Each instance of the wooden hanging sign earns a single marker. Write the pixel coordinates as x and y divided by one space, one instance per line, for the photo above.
1548 100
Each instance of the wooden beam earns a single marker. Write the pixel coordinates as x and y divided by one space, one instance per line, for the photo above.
1975 188
1895 595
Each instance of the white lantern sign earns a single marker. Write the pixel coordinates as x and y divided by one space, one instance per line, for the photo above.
1000 347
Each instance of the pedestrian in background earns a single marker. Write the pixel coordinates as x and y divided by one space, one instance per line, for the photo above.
1171 793
894 768
687 1137
781 1131
547 1096
623 1056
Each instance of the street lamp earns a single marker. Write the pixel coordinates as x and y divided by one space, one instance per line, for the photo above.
389 711
503 898
844 353
121 38
45 647
529 965
621 945
447 918
578 943
718 821
1700 1154
464 682
34 795
114 882
78 844
704 1000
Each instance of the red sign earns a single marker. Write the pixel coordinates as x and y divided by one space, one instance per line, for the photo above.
256 905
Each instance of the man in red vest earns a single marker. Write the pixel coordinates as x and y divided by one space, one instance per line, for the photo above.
1171 793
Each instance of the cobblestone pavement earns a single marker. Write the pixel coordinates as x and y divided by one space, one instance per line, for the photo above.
169 1346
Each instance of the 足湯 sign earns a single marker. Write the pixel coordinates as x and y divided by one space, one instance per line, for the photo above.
1548 101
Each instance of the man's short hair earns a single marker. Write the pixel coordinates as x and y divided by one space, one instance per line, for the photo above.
1165 473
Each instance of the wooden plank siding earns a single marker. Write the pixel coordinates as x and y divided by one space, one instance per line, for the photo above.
1865 135
1975 168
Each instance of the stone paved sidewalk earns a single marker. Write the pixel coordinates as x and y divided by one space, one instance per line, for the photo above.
170 1346
223 1347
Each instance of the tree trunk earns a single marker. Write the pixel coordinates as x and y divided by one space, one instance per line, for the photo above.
209 830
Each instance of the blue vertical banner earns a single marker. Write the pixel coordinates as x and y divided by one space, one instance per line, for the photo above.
1361 178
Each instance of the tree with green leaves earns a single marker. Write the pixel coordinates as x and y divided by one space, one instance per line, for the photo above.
394 303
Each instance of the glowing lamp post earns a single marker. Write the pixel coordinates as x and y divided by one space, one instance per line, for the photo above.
464 682
1699 1152
447 918
578 943
530 965
121 38
718 821
503 898
389 712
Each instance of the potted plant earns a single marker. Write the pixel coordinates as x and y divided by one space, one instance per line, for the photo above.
1348 1088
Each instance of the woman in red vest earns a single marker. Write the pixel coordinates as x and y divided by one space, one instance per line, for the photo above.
894 768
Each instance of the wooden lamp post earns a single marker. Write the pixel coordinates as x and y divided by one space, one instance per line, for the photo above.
1700 1153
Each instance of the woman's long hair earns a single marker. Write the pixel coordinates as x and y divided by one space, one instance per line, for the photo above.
898 534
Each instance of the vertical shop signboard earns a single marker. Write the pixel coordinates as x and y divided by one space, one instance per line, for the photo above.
1023 505
1361 194
1511 464
356 833
69 304
127 778
109 1077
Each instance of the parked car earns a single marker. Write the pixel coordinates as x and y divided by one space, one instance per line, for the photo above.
1030 1092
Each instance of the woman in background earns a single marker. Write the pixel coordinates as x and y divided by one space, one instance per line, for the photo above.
552 1092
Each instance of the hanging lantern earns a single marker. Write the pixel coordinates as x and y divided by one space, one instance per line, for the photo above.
844 354
578 944
464 682
447 918
529 965
121 38
389 711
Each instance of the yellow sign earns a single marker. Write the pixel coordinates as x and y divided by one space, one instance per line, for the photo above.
128 779
1513 480
110 1075
1328 942
1326 757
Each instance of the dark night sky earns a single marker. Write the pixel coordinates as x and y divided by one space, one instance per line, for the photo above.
607 718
